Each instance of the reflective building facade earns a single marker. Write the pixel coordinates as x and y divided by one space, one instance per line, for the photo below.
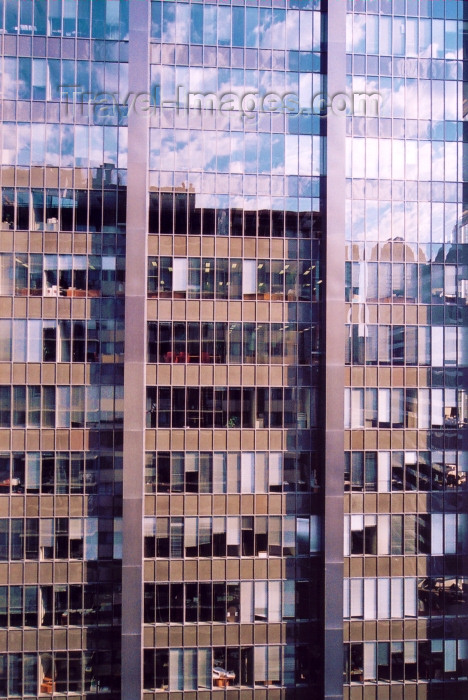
232 326
406 402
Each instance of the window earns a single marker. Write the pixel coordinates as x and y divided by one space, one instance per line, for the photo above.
179 276
249 278
195 407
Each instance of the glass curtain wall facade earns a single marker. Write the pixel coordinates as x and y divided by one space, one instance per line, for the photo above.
62 286
406 460
233 478
172 411
218 298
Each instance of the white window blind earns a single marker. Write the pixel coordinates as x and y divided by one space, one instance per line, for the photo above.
437 534
370 661
437 346
249 276
246 607
356 601
370 598
176 669
423 409
384 472
384 406
274 601
450 534
383 587
437 408
205 672
411 600
179 274
274 666
383 534
190 532
233 530
396 597
275 469
357 408
247 472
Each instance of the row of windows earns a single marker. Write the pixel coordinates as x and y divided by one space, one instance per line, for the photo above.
384 598
234 278
51 209
264 28
58 538
396 159
62 275
273 84
380 598
180 213
65 145
236 343
230 472
397 282
37 406
59 472
203 668
37 340
372 344
435 534
409 98
233 536
403 36
31 144
230 407
284 63
250 153
60 605
412 8
404 471
42 79
231 602
41 675
438 659
96 210
98 20
381 344
406 408
427 221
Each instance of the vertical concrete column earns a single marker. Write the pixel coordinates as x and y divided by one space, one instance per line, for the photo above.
334 355
135 357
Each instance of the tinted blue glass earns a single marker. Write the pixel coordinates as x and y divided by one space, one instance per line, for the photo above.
11 16
156 20
196 24
251 27
168 24
26 16
98 19
237 26
24 78
83 18
123 19
54 18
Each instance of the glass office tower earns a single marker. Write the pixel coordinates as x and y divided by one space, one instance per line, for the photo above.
407 342
196 393
63 233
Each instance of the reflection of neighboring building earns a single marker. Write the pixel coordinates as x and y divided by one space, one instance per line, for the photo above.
98 208
181 211
173 362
